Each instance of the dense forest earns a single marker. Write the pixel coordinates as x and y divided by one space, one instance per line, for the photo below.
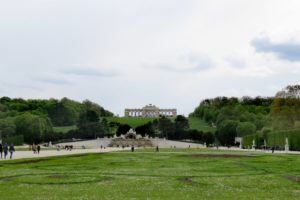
260 117
33 120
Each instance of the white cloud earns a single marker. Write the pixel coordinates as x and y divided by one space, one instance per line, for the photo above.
188 50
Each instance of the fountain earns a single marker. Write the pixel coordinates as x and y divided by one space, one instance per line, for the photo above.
131 139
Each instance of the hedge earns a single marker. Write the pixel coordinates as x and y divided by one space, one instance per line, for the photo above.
274 138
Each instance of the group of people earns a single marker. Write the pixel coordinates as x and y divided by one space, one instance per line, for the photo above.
4 149
35 148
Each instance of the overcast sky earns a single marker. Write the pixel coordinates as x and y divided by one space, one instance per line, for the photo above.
171 53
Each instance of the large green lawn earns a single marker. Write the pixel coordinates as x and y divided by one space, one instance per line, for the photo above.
145 174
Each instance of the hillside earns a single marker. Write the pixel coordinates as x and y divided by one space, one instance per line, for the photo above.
199 124
131 121
194 122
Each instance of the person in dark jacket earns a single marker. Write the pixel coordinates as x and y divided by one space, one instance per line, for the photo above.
38 149
5 150
11 150
1 150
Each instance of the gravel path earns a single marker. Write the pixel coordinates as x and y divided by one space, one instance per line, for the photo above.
19 154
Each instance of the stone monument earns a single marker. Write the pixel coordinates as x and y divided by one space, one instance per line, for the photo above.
130 139
253 144
286 146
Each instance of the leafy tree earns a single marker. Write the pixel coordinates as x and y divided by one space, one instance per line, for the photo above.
88 105
245 128
33 127
195 134
289 91
208 138
88 116
284 112
65 112
166 127
146 129
226 132
181 127
89 125
7 127
123 129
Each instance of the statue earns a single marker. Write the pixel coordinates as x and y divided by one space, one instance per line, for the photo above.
286 146
253 144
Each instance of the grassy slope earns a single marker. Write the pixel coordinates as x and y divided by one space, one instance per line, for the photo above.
195 123
64 129
149 175
132 121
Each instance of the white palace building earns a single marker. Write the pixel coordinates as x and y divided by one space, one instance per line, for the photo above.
150 111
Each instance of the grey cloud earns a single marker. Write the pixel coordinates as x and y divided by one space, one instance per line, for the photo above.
235 62
188 64
288 51
51 80
89 72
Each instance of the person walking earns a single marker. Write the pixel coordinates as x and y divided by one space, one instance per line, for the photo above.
34 148
5 150
38 149
11 150
1 150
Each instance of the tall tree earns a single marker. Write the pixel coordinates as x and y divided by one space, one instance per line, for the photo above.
33 127
166 127
226 132
181 127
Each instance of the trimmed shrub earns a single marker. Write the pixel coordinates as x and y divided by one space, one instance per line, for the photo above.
275 138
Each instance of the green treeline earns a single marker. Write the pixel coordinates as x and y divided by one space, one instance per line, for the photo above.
235 117
164 127
260 118
33 119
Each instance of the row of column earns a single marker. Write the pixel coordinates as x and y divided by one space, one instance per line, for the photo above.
141 113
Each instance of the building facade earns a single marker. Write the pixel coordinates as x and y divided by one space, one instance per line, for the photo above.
150 111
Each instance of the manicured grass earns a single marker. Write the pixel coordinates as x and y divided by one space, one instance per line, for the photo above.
145 174
199 124
64 129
